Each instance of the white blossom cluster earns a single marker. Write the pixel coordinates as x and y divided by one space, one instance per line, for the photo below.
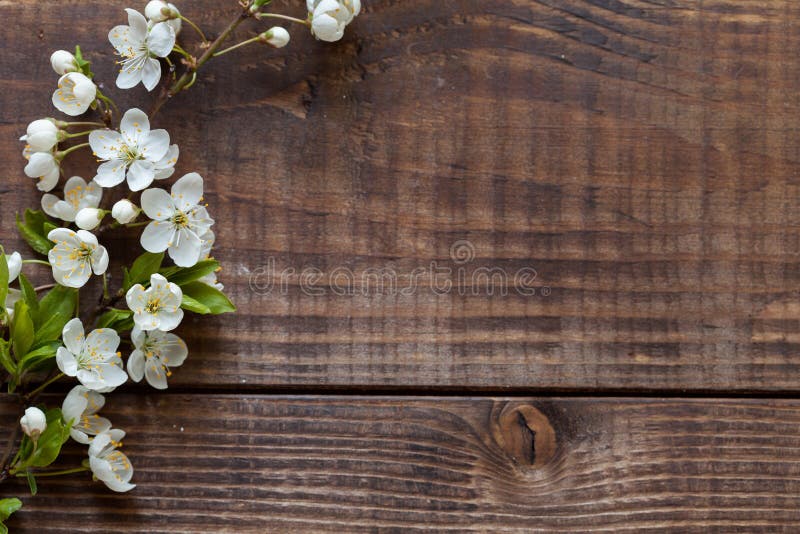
131 157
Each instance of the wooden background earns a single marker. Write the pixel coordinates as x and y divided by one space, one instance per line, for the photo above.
640 155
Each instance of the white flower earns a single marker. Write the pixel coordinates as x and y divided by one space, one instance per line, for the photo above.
81 406
33 422
75 256
158 11
133 152
14 262
45 167
89 218
108 464
93 359
178 220
42 136
140 46
63 62
158 307
276 36
155 353
77 195
124 211
75 94
329 17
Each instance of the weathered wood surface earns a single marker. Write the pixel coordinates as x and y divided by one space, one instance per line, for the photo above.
642 157
292 464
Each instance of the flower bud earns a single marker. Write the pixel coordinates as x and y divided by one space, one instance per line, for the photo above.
159 11
63 62
42 135
275 36
33 422
124 211
89 218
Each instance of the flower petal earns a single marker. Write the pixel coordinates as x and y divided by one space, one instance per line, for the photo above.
161 39
66 362
157 204
110 173
138 25
105 144
154 145
141 174
133 125
151 73
187 191
185 248
155 374
157 236
136 365
102 341
99 260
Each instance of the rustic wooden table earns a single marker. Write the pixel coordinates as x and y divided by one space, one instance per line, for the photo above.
640 157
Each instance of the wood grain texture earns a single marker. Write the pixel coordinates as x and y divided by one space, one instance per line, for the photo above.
290 464
641 156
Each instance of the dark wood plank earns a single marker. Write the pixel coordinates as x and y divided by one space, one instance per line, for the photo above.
642 157
281 464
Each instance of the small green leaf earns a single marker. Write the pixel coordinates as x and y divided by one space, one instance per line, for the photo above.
8 507
39 355
32 231
145 265
184 275
119 320
5 358
60 300
48 227
22 330
211 297
192 305
3 279
31 482
29 294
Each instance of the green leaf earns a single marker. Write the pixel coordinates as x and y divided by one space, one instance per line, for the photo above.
29 295
50 441
211 297
31 482
3 278
32 231
6 360
119 320
8 507
188 303
56 308
145 265
39 355
83 65
184 275
21 330
48 227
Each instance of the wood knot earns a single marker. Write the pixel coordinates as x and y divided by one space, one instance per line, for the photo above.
525 434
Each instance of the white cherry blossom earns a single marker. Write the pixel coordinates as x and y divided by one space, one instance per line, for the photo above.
156 352
77 195
45 167
33 422
276 36
63 62
124 211
75 94
108 464
81 406
41 136
135 152
75 256
93 359
165 167
158 307
89 218
178 220
140 46
158 11
329 17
